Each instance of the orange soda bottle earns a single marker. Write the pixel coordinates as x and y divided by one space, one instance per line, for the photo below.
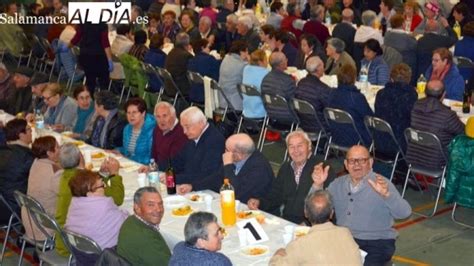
228 203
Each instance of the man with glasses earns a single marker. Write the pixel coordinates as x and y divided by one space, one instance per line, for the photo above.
366 203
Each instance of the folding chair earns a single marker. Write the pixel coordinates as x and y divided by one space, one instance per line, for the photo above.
14 223
338 116
195 80
453 217
48 62
27 50
45 221
229 107
75 50
378 127
251 91
83 247
116 60
308 116
29 203
171 90
277 120
465 66
431 141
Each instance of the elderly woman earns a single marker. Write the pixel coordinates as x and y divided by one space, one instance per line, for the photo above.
367 30
138 134
85 112
231 71
61 113
412 18
187 25
267 37
309 46
71 160
169 28
443 68
348 97
337 56
377 67
253 75
394 103
108 126
204 64
43 181
91 212
203 238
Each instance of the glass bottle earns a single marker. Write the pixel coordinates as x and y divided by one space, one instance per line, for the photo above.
170 180
228 203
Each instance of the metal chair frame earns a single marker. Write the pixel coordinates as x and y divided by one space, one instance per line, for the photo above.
167 78
11 225
215 87
149 70
306 108
453 217
251 91
27 51
82 243
195 79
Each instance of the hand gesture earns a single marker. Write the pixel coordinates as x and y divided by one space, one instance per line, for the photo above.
253 204
380 186
320 175
227 158
111 165
144 169
184 188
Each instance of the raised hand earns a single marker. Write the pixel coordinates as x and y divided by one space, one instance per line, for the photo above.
253 204
380 186
319 175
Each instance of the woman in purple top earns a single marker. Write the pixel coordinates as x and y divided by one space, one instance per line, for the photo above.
91 213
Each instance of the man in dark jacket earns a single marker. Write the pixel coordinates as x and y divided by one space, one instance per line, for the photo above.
19 99
277 82
15 163
313 90
107 131
177 64
345 30
282 40
199 165
293 182
249 171
247 33
430 114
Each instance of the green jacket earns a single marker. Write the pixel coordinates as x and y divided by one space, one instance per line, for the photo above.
460 176
115 190
141 245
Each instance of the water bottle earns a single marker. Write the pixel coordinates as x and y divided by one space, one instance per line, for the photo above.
420 86
39 120
327 18
364 78
153 173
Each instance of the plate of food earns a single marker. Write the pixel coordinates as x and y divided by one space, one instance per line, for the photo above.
251 214
301 231
78 143
196 197
98 155
175 201
182 211
255 250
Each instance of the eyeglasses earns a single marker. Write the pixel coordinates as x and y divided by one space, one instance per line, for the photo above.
359 161
49 98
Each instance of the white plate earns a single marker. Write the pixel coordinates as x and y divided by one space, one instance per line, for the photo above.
180 216
200 198
175 201
247 250
301 231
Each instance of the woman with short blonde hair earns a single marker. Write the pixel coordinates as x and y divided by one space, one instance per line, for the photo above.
62 110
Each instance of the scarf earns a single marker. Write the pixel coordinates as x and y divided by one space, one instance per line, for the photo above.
440 74
53 112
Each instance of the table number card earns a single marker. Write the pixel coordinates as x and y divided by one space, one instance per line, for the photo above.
254 231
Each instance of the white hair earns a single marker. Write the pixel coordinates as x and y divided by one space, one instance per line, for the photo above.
247 21
194 114
167 105
206 20
232 18
298 133
313 63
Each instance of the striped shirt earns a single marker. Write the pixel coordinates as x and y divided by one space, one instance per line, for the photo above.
133 142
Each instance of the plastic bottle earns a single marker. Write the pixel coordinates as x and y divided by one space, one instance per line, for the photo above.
228 203
364 78
39 120
153 173
327 18
421 85
170 180
457 29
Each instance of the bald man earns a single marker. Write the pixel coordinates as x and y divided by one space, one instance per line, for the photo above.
248 170
366 203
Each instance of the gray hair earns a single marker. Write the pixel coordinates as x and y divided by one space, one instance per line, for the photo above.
247 21
315 12
167 105
338 44
69 156
368 18
318 214
207 20
196 227
194 114
276 58
298 133
137 197
313 63
182 39
245 147
347 14
233 18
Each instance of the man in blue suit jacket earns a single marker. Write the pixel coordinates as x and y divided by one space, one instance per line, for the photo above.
249 171
199 165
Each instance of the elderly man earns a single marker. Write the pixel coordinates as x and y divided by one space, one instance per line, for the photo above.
366 203
140 240
325 242
292 183
315 25
313 90
71 159
177 63
230 34
249 171
203 238
107 130
38 84
199 164
206 31
367 31
345 30
168 136
279 83
430 114
247 33
282 43
19 99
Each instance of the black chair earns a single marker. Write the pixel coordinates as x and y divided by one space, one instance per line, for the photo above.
229 108
338 116
307 116
27 50
431 141
377 128
195 80
250 91
86 251
110 257
465 66
171 90
14 223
